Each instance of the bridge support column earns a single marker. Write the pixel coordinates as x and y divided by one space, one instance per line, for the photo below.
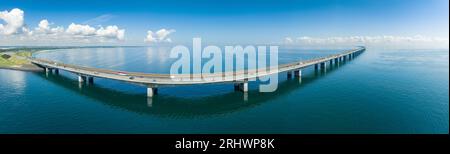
236 86
241 86
91 80
151 91
244 87
316 67
298 73
289 74
81 78
56 71
323 65
46 69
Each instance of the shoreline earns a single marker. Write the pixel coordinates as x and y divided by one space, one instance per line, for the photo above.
18 61
31 68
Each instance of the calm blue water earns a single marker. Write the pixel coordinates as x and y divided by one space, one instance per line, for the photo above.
381 91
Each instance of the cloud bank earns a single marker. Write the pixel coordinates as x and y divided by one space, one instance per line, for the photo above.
13 21
16 29
416 41
161 35
44 28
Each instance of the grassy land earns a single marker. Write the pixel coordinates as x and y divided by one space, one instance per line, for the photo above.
15 59
24 53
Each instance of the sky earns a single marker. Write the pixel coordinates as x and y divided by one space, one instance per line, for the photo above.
159 22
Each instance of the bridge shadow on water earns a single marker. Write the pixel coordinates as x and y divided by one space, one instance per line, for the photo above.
180 107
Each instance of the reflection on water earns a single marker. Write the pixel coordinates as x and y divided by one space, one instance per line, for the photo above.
381 91
415 58
173 106
16 79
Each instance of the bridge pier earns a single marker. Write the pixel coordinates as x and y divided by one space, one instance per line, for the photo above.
151 91
323 65
298 73
289 74
236 86
91 80
243 86
56 71
316 67
81 78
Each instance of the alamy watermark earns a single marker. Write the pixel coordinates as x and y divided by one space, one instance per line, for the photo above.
235 64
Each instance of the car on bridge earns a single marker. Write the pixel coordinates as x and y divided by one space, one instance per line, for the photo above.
122 73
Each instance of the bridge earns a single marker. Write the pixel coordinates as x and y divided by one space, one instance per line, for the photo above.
153 81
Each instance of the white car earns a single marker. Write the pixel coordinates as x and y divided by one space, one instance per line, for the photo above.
122 73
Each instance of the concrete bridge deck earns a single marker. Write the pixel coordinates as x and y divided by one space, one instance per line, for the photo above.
152 81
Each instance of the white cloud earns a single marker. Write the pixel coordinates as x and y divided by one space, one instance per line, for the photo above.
288 40
160 36
386 41
14 21
111 32
81 30
13 31
46 33
26 31
44 28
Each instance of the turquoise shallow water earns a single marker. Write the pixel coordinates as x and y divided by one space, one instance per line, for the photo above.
381 91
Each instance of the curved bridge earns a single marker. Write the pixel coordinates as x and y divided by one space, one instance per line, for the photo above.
152 81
